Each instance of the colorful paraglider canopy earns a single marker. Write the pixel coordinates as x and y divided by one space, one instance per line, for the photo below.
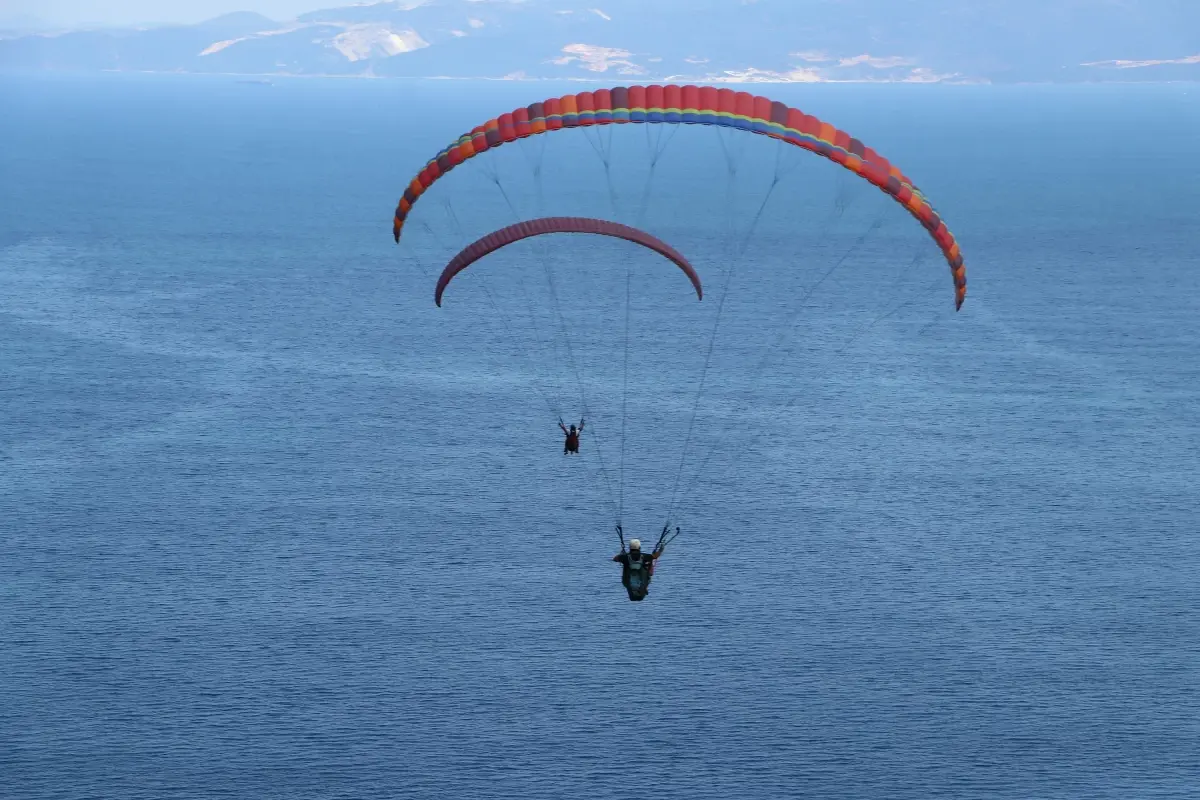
548 225
693 105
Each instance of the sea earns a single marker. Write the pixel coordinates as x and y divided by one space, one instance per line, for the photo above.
275 525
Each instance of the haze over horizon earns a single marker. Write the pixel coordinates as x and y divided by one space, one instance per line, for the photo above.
119 13
779 41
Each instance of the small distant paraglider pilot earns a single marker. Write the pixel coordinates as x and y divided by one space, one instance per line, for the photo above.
571 445
637 568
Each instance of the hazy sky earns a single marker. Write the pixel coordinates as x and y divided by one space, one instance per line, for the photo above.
124 12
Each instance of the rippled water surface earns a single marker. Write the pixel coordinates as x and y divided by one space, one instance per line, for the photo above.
272 525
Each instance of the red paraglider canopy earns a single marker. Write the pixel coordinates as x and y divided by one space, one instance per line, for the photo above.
692 105
547 225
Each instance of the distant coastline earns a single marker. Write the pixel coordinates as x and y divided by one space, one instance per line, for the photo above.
268 79
728 42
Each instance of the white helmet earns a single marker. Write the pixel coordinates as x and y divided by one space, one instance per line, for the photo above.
635 544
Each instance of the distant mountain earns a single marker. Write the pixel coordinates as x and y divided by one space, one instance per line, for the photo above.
645 40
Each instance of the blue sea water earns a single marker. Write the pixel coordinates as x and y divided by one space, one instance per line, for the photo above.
272 525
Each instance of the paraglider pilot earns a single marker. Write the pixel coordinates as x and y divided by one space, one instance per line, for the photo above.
571 445
637 568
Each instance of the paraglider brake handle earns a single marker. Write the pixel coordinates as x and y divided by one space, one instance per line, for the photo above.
666 539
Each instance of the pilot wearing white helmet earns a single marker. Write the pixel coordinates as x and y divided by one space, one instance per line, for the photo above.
637 568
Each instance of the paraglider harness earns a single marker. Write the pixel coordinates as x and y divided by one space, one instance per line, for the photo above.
637 573
573 436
